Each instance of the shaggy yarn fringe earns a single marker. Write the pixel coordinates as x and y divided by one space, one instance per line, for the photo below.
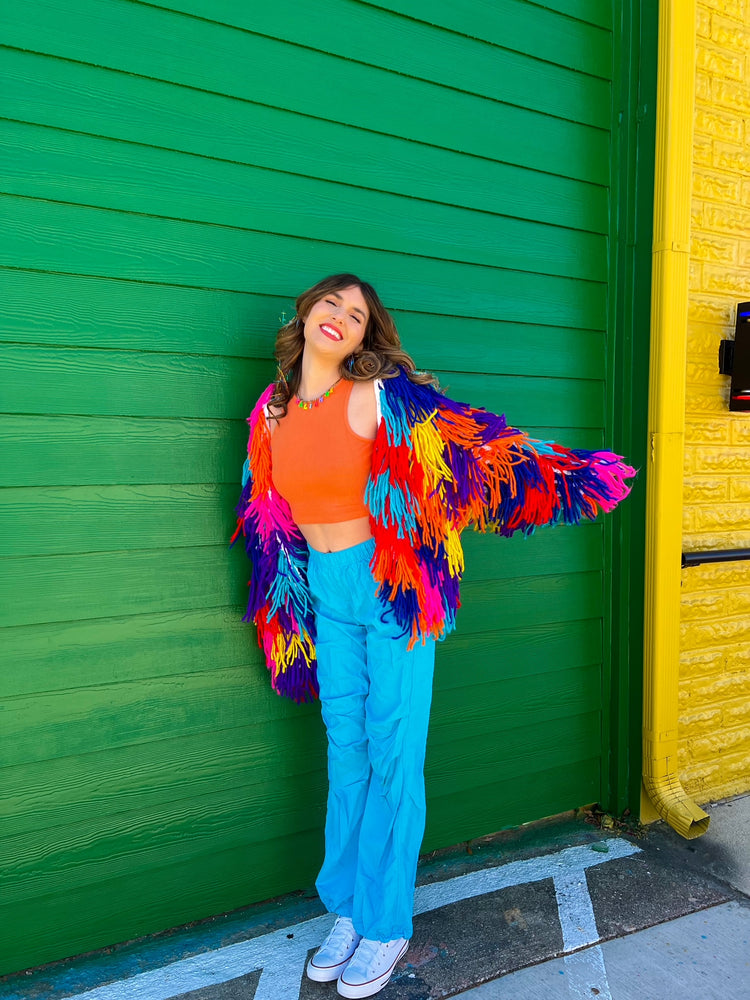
438 467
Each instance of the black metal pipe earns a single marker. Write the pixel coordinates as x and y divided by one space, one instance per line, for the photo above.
713 555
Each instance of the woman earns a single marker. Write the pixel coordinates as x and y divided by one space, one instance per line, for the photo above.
360 478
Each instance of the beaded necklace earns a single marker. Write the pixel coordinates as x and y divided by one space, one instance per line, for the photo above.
308 404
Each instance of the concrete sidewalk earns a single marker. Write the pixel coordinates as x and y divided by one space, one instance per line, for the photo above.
557 909
705 952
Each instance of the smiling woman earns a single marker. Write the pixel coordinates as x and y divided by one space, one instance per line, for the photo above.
350 306
341 340
325 485
369 341
361 476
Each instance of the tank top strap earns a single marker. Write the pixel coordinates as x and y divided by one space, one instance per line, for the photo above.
340 398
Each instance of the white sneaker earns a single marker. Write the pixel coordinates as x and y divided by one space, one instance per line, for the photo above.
371 967
330 959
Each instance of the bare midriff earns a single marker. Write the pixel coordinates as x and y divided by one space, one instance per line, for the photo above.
337 536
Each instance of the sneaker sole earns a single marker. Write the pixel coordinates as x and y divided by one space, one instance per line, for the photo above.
318 974
354 991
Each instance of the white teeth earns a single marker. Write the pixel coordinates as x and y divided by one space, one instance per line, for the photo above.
333 332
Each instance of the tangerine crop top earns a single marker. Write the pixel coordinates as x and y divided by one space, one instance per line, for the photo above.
318 463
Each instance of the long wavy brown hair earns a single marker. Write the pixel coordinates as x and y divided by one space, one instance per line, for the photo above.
381 354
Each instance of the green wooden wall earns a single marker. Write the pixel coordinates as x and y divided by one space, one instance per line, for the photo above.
174 176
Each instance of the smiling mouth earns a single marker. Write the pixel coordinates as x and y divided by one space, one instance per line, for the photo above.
331 331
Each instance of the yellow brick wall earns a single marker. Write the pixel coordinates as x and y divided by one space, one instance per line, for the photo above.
714 749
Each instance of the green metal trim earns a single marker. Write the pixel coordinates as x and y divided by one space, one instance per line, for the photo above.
631 226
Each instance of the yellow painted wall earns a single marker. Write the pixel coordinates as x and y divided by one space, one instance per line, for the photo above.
714 745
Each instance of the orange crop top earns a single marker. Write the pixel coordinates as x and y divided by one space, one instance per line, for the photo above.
319 464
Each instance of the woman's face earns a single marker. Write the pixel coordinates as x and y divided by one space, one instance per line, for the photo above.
335 326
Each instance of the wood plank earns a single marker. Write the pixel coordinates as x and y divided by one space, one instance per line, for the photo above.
41 929
97 652
36 589
44 449
65 722
65 859
535 347
69 310
92 519
117 689
464 766
74 789
524 27
149 384
589 11
507 803
253 760
101 651
86 720
57 449
491 708
493 605
496 65
582 399
141 248
99 519
144 111
563 661
184 891
60 166
129 383
549 550
518 651
210 57
112 584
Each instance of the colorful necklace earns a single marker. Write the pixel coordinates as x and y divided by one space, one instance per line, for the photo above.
307 404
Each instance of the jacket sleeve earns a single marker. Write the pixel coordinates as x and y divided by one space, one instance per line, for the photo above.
466 463
278 598
529 483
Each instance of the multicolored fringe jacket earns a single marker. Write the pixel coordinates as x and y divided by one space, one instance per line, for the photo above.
438 467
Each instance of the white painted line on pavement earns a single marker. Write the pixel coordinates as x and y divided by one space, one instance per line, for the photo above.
584 968
282 958
574 859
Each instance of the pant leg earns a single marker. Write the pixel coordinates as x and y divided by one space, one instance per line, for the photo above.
375 700
397 714
342 677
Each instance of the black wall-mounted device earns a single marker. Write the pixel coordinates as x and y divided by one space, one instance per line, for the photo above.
734 360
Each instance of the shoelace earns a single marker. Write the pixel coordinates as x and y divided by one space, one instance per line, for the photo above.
343 928
368 951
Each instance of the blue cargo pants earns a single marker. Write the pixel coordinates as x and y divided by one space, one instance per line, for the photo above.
375 699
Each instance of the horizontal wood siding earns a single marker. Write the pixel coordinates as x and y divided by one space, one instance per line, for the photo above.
173 176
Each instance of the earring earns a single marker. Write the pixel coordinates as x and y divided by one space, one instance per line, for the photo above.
350 363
